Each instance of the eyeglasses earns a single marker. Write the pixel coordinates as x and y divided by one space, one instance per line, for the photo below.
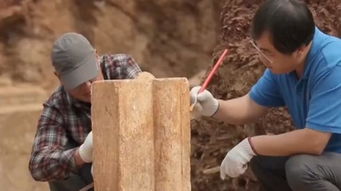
260 52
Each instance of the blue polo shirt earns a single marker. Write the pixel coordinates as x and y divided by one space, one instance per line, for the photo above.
313 101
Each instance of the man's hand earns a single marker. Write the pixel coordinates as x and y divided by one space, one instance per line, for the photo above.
85 150
235 161
206 104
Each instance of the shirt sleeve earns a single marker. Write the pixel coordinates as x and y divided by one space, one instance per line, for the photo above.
121 66
50 160
325 103
266 92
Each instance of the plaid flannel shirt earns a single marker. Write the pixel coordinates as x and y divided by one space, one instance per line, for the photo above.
65 122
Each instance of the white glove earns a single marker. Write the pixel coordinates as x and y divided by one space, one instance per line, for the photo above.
85 150
235 161
206 104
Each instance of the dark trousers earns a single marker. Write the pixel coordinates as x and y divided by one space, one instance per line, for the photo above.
75 182
299 172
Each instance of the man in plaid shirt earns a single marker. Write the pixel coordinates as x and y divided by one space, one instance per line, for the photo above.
62 149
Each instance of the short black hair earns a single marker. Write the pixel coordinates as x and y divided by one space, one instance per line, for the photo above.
289 22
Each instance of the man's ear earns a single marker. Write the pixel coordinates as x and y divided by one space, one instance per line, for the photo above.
56 74
96 53
300 51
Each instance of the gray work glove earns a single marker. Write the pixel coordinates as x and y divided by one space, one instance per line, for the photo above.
206 104
85 150
236 160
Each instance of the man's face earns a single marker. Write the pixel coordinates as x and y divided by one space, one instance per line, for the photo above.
276 61
83 91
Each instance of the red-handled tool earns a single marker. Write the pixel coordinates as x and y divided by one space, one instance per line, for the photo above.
210 75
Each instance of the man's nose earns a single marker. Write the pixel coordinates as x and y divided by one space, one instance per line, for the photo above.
87 86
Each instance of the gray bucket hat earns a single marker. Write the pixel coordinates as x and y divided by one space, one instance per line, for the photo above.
74 59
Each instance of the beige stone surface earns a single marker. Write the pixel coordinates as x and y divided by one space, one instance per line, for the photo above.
141 135
172 134
123 135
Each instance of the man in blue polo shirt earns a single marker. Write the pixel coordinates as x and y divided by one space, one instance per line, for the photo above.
304 74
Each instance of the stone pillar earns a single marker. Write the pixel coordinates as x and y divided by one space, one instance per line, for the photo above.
141 132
